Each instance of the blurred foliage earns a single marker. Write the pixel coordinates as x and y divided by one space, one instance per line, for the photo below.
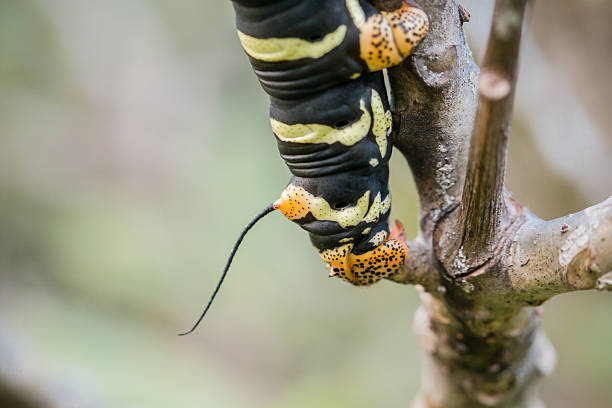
135 146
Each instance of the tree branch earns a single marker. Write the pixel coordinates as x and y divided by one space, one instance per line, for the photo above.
483 349
489 257
435 92
566 254
464 370
482 210
418 269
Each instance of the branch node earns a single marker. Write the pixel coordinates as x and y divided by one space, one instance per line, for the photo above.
493 85
437 71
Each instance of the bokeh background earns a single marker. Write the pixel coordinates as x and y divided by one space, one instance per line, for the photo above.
134 146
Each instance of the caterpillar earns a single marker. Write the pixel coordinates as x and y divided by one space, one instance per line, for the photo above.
321 63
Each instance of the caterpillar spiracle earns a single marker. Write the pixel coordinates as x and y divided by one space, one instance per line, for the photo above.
321 63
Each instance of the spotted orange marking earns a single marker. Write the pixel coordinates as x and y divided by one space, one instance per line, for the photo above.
409 25
293 203
381 262
377 46
338 261
386 39
372 266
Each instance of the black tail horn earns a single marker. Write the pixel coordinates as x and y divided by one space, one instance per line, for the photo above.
246 229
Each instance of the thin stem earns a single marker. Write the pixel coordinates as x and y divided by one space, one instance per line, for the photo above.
482 207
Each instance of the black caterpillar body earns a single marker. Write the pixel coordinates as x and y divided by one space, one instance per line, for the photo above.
321 62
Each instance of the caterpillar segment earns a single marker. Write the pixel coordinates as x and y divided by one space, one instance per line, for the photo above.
302 47
320 61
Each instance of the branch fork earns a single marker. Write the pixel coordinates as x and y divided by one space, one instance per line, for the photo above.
482 261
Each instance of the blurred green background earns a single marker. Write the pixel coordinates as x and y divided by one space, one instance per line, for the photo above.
135 146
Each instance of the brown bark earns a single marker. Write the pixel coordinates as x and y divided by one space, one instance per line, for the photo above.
483 263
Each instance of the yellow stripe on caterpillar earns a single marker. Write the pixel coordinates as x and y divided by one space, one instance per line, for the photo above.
378 207
346 217
383 122
295 203
290 49
317 133
348 135
356 12
378 238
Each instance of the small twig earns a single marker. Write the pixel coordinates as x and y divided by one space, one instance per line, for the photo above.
482 208
435 94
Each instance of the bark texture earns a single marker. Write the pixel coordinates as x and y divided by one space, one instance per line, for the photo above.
482 262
